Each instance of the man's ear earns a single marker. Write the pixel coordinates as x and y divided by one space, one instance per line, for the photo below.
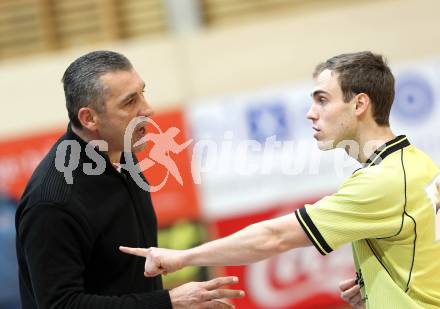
362 104
88 118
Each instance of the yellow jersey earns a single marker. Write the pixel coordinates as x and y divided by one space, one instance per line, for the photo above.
389 211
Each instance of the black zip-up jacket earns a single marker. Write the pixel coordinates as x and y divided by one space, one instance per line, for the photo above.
68 237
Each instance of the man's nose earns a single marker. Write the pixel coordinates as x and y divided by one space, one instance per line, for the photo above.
146 109
312 114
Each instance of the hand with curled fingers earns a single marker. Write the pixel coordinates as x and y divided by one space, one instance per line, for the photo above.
205 295
351 293
158 261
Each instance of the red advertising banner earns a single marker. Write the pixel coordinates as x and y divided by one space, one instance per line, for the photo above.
174 200
19 157
300 279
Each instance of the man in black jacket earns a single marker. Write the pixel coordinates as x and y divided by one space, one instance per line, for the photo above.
79 205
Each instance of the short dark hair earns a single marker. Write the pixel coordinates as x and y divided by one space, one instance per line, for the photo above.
364 72
81 83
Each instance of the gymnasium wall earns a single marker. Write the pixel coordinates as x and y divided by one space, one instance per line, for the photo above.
214 61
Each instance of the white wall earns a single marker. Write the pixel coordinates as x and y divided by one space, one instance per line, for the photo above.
235 58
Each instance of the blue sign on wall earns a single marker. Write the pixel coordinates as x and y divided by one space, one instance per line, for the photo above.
266 120
414 100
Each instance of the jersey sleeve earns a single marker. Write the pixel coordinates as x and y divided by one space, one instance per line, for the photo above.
367 205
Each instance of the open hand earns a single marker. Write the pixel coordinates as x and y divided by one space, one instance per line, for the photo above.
210 294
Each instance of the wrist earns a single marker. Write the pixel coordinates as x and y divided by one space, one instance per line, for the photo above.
186 258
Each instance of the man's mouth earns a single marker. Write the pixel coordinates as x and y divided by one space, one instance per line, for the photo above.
141 130
315 132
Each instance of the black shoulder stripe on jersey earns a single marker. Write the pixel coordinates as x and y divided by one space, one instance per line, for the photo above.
388 148
312 232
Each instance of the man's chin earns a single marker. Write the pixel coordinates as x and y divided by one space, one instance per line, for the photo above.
325 145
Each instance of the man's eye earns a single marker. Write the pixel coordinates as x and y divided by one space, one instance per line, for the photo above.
130 102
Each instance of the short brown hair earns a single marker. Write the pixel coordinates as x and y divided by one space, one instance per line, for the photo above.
364 72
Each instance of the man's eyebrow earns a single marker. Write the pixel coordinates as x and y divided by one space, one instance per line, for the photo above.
129 96
318 92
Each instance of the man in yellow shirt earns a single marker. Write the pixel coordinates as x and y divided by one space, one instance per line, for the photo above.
387 209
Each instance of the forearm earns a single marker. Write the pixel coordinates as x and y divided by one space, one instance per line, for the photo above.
254 243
